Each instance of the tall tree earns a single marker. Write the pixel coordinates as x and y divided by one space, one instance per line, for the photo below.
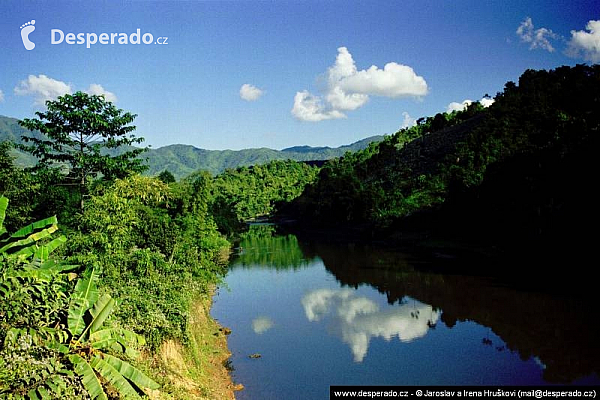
80 130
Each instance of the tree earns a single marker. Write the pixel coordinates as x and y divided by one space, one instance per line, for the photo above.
166 176
83 131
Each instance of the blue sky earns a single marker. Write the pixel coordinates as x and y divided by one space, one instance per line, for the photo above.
321 73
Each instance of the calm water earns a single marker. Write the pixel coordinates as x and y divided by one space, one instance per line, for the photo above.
321 315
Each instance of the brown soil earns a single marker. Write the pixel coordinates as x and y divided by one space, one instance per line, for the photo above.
196 371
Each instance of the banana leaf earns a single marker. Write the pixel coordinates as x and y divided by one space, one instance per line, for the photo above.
28 241
83 297
111 374
42 252
102 339
88 377
102 309
130 372
29 229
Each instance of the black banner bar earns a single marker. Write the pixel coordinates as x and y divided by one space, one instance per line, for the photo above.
463 392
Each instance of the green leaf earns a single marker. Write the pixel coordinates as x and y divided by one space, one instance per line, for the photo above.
32 394
102 339
77 310
3 207
57 346
101 311
130 337
29 229
130 372
42 252
111 374
83 297
44 393
88 377
28 242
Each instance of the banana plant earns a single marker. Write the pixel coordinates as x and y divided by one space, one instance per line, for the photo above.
83 340
33 292
90 340
30 246
27 243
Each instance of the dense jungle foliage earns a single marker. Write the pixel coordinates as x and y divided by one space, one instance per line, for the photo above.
252 192
517 172
80 305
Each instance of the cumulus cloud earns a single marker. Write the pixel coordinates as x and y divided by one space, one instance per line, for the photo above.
98 90
407 120
357 319
537 38
349 89
487 101
340 100
1 96
310 108
455 106
250 92
42 88
585 44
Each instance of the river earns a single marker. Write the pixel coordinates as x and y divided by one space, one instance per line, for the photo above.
307 315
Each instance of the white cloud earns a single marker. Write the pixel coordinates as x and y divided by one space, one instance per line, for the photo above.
407 120
341 100
357 319
394 80
310 108
454 106
349 89
250 92
98 90
538 38
42 88
1 96
487 101
586 44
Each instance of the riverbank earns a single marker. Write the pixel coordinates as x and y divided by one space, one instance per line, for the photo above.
198 369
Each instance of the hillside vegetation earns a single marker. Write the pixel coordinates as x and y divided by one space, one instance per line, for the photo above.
517 174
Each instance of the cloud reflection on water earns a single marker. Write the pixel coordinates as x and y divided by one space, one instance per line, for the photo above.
356 319
261 324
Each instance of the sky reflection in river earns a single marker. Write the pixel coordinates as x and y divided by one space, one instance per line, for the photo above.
261 324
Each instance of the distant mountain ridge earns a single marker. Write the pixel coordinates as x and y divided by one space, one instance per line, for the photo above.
182 160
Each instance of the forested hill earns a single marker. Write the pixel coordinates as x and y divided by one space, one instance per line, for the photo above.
518 174
182 160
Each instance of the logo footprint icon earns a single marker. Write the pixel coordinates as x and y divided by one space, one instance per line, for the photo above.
26 29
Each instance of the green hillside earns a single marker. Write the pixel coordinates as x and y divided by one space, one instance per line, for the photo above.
182 160
518 174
